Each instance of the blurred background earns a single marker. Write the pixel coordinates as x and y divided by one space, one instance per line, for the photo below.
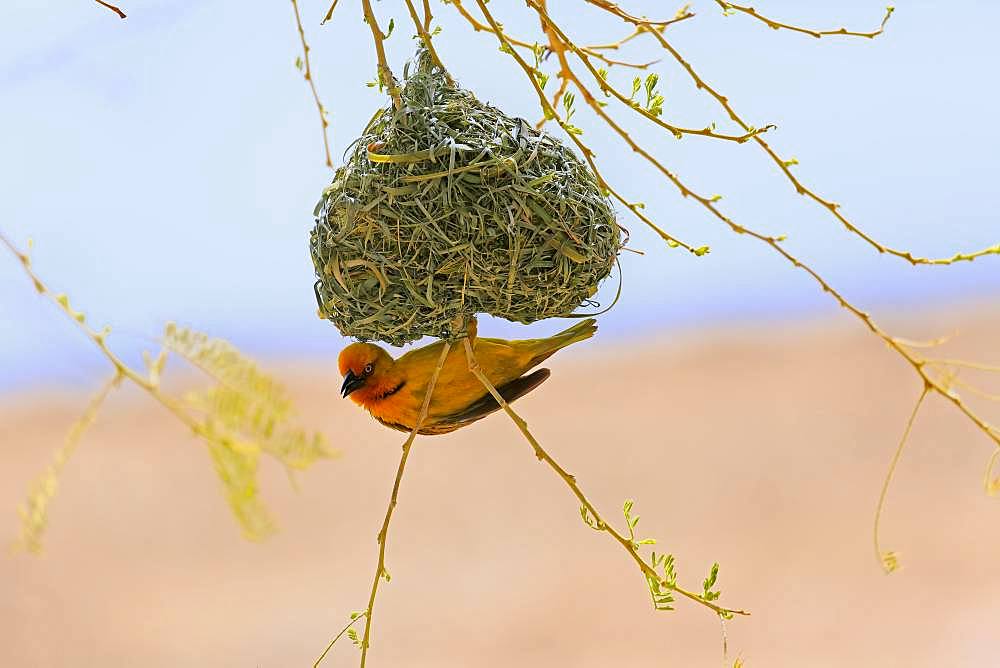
166 168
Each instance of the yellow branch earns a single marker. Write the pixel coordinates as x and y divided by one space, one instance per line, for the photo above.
34 514
777 25
383 532
570 481
917 363
307 73
559 42
354 620
785 165
634 207
889 560
99 339
384 71
425 36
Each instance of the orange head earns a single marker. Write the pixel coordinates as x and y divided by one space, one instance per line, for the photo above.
368 372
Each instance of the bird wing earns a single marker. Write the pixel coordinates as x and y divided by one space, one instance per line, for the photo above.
486 404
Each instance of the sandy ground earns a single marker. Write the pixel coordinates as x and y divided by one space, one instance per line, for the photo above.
763 449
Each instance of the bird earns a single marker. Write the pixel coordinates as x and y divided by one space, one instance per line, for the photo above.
392 390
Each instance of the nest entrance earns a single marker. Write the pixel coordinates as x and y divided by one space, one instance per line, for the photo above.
448 208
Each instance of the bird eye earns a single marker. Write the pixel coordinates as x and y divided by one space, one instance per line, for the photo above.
369 368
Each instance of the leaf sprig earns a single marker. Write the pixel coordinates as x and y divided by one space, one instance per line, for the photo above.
245 414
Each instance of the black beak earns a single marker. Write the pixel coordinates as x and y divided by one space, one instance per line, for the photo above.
351 383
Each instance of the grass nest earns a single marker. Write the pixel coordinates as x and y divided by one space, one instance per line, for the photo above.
447 208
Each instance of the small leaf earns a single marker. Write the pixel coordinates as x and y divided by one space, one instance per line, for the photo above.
890 562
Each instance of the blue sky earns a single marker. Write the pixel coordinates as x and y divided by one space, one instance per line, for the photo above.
167 166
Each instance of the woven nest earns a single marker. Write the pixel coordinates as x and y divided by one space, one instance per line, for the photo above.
450 208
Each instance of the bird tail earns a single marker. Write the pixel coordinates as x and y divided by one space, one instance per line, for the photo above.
581 331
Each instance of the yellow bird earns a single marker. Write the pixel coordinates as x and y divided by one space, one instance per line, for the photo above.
393 390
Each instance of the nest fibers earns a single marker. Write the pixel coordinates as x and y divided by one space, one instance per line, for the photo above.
449 208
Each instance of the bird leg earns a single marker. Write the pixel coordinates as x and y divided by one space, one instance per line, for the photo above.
477 371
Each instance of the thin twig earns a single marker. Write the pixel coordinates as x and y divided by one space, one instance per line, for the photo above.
916 362
785 165
888 560
329 12
637 21
967 365
560 42
307 73
425 37
778 25
428 16
991 484
113 8
384 71
336 638
585 53
34 514
383 532
99 339
683 14
570 481
634 207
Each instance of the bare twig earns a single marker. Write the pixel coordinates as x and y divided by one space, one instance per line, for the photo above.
570 481
728 7
785 165
425 36
634 207
559 42
918 363
889 560
428 16
34 514
307 73
380 571
329 12
113 8
354 620
683 14
378 39
99 339
233 440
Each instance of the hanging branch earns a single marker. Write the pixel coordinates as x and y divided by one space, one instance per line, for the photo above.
148 383
915 361
785 165
559 43
636 208
594 52
659 584
918 363
244 415
729 7
890 560
35 512
303 64
380 571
